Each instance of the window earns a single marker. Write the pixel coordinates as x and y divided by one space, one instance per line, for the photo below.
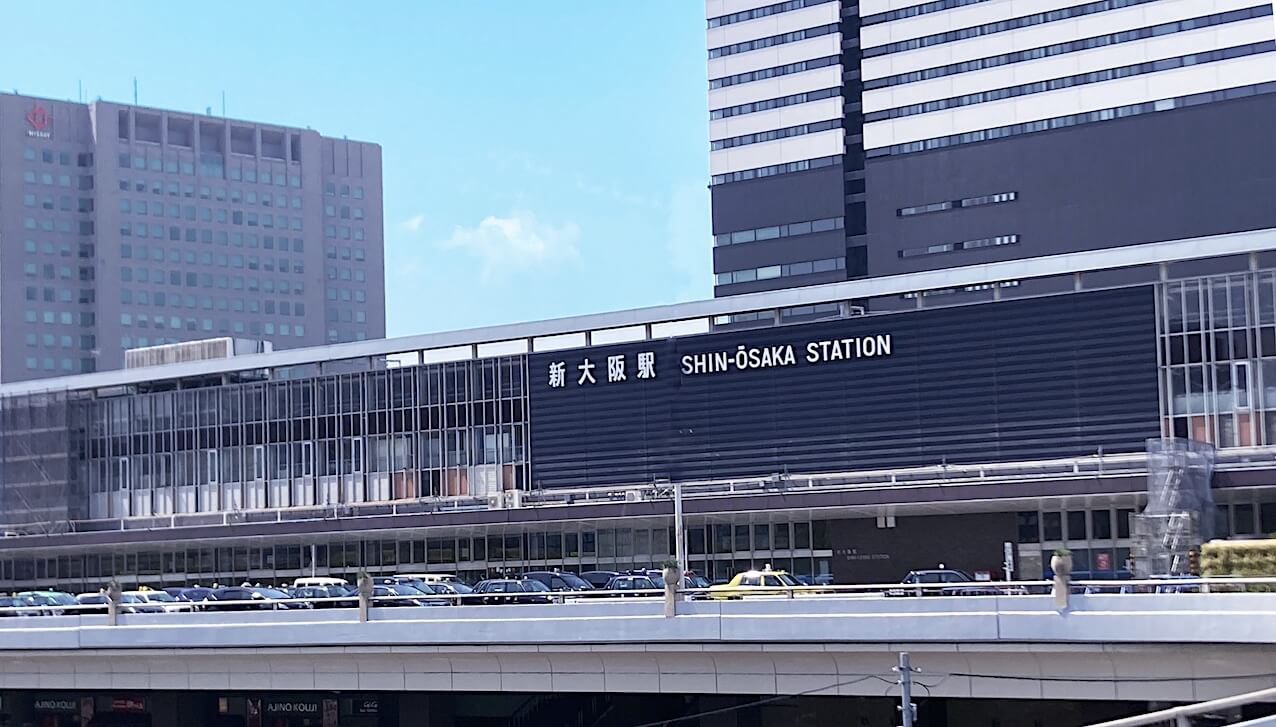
1052 526
963 245
1076 525
764 136
772 233
957 204
775 170
771 41
1101 524
1123 522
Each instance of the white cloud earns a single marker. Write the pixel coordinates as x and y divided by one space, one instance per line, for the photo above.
516 242
413 223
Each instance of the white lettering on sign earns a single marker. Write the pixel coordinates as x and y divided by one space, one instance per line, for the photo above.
558 374
586 369
615 368
743 358
746 359
647 365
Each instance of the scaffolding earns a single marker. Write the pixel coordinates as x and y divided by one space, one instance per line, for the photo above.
37 474
1180 511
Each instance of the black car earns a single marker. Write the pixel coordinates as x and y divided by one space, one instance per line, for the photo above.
261 599
599 578
510 590
401 594
559 580
962 584
197 595
453 593
635 583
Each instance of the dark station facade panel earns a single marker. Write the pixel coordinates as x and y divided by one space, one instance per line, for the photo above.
1013 380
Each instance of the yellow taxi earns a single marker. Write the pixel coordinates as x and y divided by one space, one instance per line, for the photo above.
765 582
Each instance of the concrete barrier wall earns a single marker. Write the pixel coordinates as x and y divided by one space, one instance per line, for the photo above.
1236 618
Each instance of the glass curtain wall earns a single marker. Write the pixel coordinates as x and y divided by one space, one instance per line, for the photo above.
437 430
1218 358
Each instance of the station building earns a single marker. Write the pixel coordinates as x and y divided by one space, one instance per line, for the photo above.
814 429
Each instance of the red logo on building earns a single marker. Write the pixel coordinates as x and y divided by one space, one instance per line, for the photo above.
39 118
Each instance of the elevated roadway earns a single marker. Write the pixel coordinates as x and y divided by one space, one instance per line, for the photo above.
1175 647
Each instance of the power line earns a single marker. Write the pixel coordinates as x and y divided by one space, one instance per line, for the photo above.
943 677
765 700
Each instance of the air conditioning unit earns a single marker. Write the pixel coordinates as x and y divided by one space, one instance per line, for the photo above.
633 496
496 501
513 498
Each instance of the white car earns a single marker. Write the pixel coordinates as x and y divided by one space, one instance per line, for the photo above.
163 600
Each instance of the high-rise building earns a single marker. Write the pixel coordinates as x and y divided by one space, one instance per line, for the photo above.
123 226
870 138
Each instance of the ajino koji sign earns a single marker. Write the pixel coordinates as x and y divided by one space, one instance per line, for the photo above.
615 368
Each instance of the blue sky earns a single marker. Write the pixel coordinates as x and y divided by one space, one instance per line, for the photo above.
541 158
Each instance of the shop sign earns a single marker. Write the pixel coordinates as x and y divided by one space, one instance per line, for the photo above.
290 706
128 704
365 706
57 704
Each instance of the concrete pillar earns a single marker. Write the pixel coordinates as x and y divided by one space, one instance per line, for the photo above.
365 595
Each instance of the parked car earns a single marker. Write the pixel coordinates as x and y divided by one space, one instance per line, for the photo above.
453 593
634 583
165 601
963 584
52 603
18 606
333 596
412 579
598 578
197 596
319 581
511 590
560 580
259 598
765 582
691 580
401 594
129 603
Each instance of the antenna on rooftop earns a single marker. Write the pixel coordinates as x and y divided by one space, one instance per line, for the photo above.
134 90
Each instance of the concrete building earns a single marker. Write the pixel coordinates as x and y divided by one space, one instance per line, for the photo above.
858 446
853 139
125 226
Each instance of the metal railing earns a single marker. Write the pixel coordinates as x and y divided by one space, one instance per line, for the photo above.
1182 716
942 475
1203 585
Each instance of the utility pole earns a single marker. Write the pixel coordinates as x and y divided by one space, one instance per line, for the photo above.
906 707
679 533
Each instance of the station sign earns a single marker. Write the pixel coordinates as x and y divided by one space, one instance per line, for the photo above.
609 369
